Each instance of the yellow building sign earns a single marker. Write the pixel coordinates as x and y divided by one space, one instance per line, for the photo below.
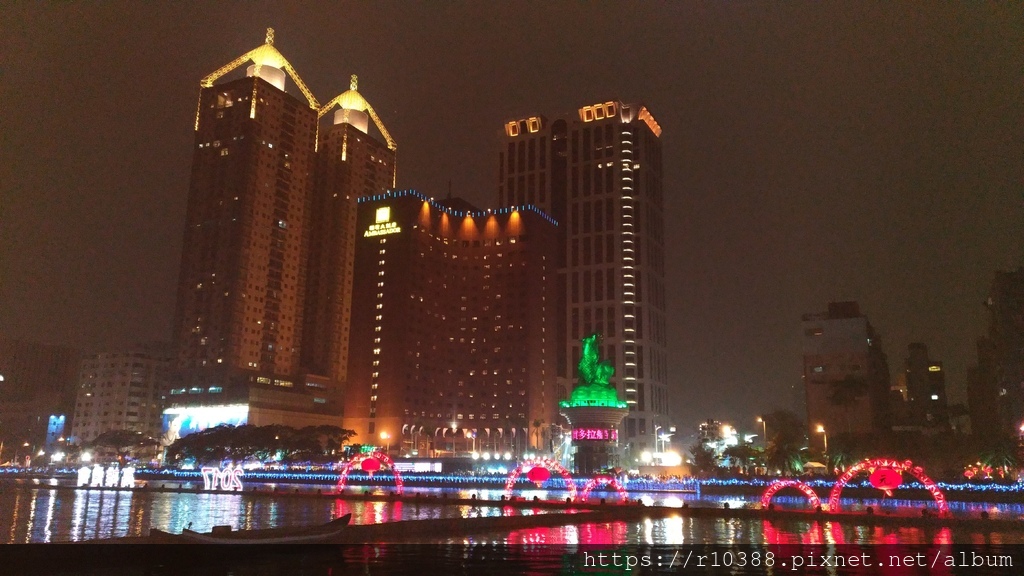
383 225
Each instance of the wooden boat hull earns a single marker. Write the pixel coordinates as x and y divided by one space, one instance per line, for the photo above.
326 534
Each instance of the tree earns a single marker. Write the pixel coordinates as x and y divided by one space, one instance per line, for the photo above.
313 444
538 434
785 451
123 442
741 456
1003 453
845 450
704 460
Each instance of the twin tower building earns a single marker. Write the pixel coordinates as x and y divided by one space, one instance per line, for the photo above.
312 292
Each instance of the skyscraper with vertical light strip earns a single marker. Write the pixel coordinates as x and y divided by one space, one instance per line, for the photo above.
598 172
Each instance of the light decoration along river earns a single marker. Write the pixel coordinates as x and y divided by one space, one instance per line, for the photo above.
229 478
546 463
906 466
766 498
370 463
113 476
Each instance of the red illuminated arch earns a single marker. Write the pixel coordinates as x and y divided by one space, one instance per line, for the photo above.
906 466
766 498
602 481
399 486
547 463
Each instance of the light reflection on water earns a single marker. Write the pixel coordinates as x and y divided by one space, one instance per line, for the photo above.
40 513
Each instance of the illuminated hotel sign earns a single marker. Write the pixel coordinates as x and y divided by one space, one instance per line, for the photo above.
226 479
383 225
595 434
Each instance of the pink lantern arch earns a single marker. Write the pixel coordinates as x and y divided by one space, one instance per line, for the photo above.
906 467
379 456
603 481
766 497
546 463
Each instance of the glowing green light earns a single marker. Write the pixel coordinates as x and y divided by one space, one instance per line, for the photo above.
593 388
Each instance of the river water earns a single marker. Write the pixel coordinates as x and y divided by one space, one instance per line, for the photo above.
38 511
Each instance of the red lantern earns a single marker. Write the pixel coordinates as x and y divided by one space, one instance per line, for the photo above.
886 479
370 465
538 474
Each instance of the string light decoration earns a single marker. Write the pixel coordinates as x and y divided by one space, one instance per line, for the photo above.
542 462
378 456
603 481
905 466
766 497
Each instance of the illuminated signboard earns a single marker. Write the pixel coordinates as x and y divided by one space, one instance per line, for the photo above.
383 225
179 422
229 478
595 434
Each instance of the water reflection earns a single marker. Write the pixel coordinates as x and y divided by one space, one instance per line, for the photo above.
39 512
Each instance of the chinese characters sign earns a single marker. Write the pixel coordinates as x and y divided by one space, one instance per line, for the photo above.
595 434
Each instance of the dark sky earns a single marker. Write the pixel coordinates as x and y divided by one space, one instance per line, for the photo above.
813 152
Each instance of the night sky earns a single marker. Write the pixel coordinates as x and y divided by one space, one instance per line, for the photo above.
813 152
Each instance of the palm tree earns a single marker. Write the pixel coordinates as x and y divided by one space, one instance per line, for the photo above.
1003 453
538 433
785 448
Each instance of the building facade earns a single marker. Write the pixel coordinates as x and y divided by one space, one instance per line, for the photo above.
37 395
453 344
122 391
845 374
240 308
350 163
598 172
921 405
996 385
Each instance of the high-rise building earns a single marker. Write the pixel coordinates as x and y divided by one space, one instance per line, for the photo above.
921 405
998 381
453 327
598 172
241 290
122 391
37 394
350 163
845 373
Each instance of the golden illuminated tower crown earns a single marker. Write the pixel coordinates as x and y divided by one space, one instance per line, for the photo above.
267 63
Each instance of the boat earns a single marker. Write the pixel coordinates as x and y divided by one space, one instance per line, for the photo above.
323 534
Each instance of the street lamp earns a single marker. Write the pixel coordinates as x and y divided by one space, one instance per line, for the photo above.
764 428
387 438
657 437
821 430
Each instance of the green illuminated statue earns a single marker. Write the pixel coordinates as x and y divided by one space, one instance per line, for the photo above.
593 388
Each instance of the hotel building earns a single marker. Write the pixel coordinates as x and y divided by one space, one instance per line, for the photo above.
453 334
242 284
350 163
598 172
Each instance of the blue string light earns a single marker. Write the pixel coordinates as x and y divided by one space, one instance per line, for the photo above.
450 212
